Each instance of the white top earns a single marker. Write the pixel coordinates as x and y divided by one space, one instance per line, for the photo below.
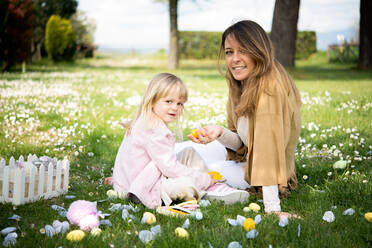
234 141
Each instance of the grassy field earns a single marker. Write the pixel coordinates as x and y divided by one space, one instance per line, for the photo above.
74 111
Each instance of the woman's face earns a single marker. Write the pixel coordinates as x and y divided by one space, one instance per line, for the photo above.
238 61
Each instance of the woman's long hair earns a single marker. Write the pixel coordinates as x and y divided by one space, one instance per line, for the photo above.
254 41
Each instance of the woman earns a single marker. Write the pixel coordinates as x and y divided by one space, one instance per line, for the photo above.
263 112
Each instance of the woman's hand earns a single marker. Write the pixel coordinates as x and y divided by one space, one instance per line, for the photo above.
206 134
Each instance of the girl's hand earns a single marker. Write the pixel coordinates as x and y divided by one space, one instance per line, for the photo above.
206 134
213 182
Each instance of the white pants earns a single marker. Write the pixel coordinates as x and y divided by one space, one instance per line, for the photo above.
214 156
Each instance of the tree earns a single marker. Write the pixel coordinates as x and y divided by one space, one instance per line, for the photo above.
284 31
16 21
84 28
365 35
44 9
60 41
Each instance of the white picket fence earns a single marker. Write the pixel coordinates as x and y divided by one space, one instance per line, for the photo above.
22 181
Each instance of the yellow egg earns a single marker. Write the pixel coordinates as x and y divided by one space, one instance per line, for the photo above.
254 207
246 209
368 216
194 133
248 224
181 232
75 235
111 193
95 231
215 175
150 218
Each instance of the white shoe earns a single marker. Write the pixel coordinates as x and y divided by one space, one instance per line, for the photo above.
225 193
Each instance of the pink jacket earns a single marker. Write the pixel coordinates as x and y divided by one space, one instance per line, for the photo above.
143 157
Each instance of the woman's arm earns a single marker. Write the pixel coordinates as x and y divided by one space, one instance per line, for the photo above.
225 136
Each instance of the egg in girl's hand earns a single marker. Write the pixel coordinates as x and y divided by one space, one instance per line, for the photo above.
194 133
215 175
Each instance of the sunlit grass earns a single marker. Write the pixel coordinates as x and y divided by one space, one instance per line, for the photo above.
75 111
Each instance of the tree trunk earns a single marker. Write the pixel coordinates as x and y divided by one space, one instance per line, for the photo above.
173 40
284 31
365 35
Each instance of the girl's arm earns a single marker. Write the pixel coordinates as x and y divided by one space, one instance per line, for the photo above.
160 148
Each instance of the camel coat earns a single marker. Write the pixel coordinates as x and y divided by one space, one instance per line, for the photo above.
272 138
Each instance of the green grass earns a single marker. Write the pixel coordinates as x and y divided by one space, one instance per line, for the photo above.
62 109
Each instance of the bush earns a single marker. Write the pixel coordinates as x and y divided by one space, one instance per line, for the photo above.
305 44
60 40
206 45
199 44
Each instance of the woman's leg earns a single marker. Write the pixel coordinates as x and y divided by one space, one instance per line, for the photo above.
189 157
214 156
210 153
232 171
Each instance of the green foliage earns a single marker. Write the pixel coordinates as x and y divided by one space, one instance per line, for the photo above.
84 28
305 44
206 45
60 40
199 44
16 20
71 119
44 9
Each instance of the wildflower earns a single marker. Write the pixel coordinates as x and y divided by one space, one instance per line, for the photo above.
305 177
76 153
329 173
90 194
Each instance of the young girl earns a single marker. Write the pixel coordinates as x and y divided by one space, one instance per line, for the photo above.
146 167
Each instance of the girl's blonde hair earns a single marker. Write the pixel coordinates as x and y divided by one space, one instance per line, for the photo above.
160 86
255 42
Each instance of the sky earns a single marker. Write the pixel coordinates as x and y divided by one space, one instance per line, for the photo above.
144 24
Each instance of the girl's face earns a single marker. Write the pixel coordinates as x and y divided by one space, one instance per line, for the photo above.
239 63
169 108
